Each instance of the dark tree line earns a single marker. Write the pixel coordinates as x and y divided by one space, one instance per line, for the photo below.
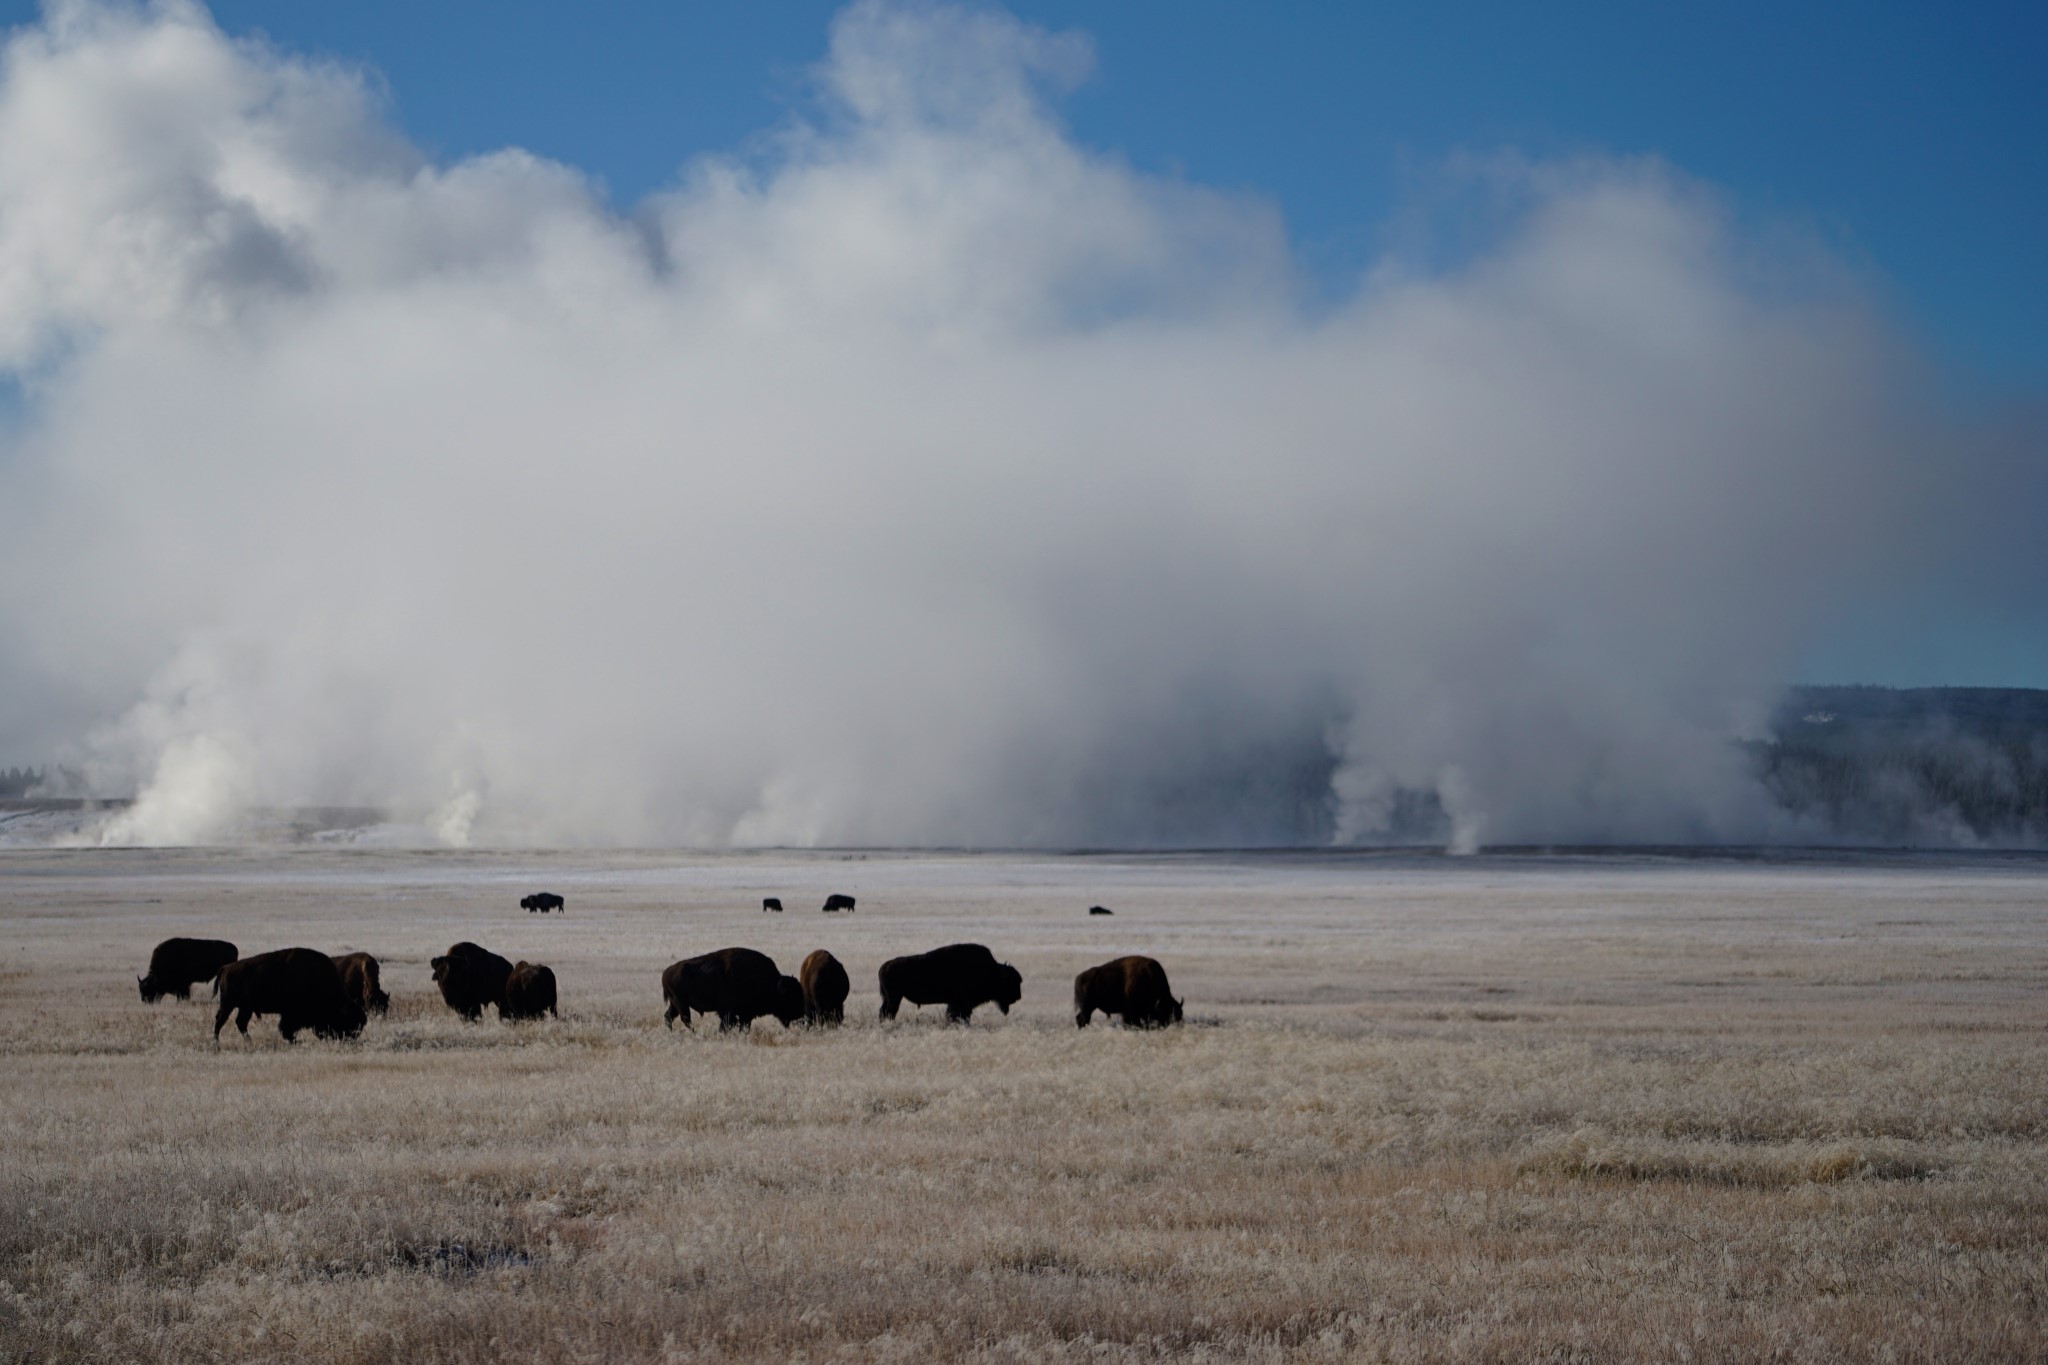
17 782
1916 766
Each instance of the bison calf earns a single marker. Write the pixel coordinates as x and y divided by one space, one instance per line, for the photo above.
360 978
738 985
825 988
529 993
301 986
960 976
178 964
1133 988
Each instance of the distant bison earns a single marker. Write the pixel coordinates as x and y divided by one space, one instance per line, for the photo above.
960 977
771 903
738 985
1100 910
542 901
178 964
1132 987
838 902
301 987
529 993
359 977
825 988
470 978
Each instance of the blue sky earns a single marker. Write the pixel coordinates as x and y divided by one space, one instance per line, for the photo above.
1911 138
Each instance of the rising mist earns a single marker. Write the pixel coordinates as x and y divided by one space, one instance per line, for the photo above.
918 477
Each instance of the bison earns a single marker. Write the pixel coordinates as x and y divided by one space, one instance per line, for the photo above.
542 901
302 987
529 993
1132 987
960 976
825 988
359 977
178 964
1100 910
835 901
738 985
771 903
470 978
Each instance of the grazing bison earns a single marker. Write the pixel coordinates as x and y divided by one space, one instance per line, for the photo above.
825 988
178 964
470 978
738 985
838 902
1100 910
960 977
359 977
301 987
542 901
771 903
529 993
1132 987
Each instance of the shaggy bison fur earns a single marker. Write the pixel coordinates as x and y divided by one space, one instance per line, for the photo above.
529 993
738 985
825 988
959 976
300 986
361 979
470 978
1133 988
178 964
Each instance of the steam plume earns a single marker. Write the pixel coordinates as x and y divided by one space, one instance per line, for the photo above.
929 479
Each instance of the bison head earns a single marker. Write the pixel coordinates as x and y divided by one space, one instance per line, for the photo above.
1009 986
1176 1009
151 992
347 1021
440 970
789 1000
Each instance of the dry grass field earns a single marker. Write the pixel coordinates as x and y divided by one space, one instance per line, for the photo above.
1422 1109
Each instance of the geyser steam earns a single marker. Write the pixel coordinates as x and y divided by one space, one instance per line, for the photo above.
932 480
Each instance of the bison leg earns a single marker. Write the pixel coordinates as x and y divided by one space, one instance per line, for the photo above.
184 990
890 1004
288 1027
220 1016
959 1014
242 1018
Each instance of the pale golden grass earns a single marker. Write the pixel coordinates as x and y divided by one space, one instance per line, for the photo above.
1421 1111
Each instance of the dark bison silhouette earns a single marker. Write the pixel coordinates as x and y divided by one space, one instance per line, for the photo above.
738 985
529 993
771 903
542 901
836 901
1100 910
825 988
300 986
470 978
178 964
1133 988
360 978
959 976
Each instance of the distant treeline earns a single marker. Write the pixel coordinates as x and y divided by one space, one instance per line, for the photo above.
16 782
1920 766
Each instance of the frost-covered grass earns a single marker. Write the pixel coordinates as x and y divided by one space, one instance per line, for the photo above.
1485 1110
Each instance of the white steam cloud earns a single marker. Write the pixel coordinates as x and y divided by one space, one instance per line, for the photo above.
927 479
